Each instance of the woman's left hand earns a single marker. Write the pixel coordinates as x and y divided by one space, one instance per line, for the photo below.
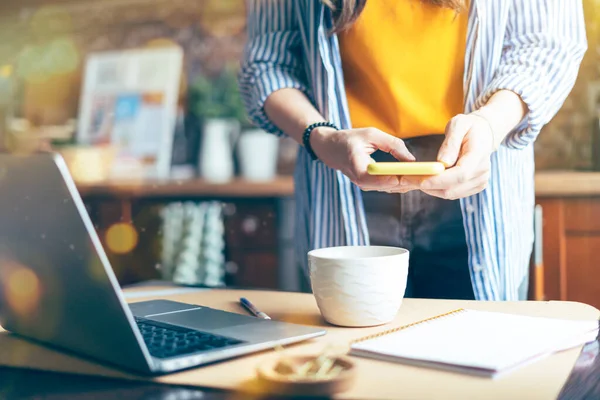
466 153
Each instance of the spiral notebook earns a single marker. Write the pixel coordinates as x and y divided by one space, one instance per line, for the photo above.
476 342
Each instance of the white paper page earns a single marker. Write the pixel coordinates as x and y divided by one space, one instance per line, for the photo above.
479 339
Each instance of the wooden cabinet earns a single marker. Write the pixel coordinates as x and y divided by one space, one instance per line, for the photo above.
258 220
251 224
571 248
582 281
253 269
252 240
260 238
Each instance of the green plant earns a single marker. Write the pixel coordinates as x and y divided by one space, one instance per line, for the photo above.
218 97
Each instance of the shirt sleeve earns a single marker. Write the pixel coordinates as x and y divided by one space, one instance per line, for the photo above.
544 44
272 57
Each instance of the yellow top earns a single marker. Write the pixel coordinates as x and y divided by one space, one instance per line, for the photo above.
403 63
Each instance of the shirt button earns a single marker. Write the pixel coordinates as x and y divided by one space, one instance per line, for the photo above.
477 267
470 209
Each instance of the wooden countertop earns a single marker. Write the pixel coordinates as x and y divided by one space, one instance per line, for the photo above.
280 187
541 380
547 184
567 184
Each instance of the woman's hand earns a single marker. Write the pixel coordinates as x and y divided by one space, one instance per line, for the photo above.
466 153
470 141
349 151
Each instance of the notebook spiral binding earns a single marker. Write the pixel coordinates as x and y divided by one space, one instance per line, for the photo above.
400 328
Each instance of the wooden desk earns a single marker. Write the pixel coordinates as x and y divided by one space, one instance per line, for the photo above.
376 379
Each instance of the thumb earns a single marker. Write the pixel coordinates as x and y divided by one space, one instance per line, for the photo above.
456 131
391 144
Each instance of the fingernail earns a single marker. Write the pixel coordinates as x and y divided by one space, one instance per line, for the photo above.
444 159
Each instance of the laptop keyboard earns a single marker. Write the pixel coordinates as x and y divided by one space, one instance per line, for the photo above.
165 341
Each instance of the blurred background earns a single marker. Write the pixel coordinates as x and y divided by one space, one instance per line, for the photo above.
140 98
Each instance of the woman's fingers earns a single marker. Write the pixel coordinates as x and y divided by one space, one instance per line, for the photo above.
364 143
460 191
452 177
456 130
380 183
350 151
389 144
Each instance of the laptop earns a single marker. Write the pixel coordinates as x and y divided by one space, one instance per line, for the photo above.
57 286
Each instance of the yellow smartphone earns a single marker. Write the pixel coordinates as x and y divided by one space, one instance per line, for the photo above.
405 168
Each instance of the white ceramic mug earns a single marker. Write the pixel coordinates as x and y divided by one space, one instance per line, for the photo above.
258 153
358 285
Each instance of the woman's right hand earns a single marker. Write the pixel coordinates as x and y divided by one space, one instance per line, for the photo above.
349 151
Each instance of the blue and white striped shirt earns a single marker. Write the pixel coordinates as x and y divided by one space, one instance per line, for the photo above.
532 47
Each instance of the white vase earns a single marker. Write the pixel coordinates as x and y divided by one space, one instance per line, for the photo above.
257 153
216 155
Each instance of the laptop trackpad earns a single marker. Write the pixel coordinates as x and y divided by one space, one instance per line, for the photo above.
153 307
204 319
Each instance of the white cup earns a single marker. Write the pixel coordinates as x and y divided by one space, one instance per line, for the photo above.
258 153
358 286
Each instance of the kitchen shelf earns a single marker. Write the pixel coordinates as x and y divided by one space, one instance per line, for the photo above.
567 184
238 188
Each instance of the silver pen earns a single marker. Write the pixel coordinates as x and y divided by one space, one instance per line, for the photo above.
253 310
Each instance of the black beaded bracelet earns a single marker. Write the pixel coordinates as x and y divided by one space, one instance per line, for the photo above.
306 136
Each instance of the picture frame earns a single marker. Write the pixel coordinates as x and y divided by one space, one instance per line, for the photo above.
129 102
